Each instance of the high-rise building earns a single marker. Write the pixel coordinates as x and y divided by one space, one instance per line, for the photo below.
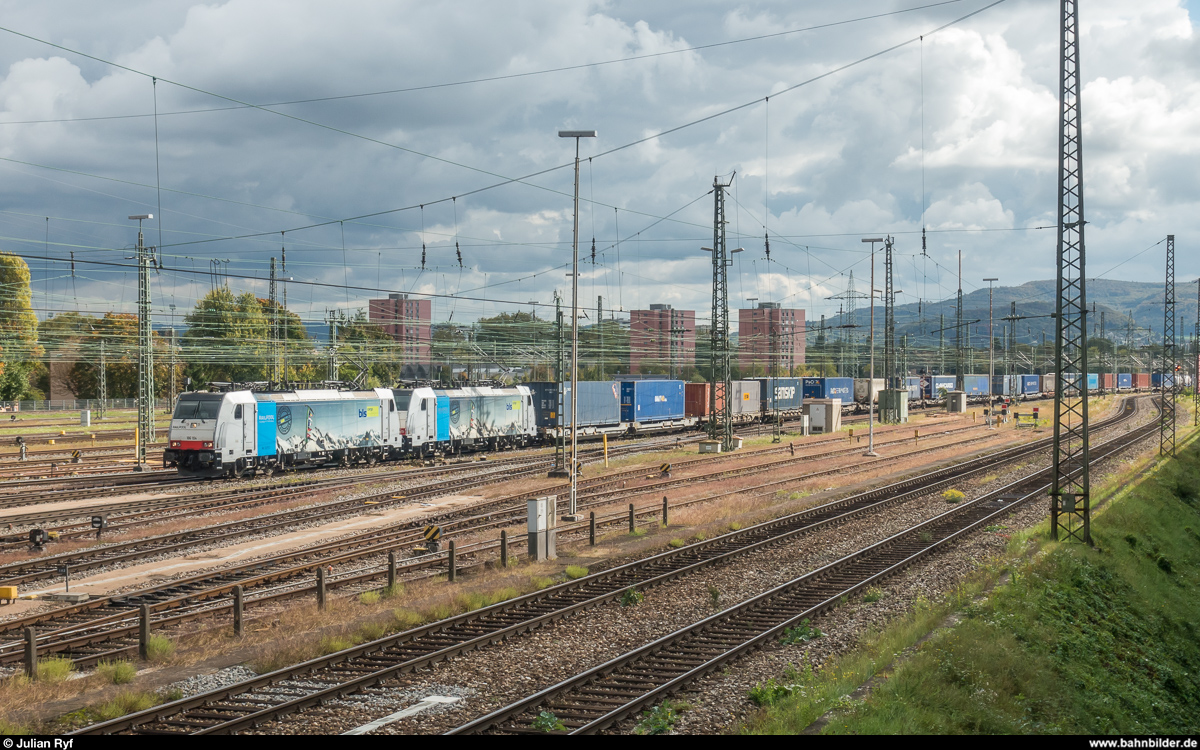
408 322
770 340
662 338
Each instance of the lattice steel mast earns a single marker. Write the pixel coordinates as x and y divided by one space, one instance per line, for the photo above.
1166 433
1070 496
1196 363
720 407
145 348
889 320
560 374
273 296
959 354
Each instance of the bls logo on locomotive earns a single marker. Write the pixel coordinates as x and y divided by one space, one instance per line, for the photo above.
283 420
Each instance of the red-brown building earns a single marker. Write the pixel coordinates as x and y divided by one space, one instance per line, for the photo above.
407 321
770 340
662 338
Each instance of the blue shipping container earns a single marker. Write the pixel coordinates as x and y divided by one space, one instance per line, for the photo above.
975 385
822 388
913 385
1124 380
651 400
1093 381
781 394
1156 380
932 385
1030 385
1001 386
599 403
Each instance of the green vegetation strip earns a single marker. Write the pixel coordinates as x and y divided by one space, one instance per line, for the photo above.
1080 641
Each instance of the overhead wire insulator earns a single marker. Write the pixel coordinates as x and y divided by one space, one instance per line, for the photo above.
593 251
922 239
767 243
422 256
458 252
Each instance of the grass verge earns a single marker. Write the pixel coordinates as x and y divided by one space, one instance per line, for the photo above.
1081 641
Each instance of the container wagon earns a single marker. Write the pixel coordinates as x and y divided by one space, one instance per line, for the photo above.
651 401
1030 385
599 406
696 397
936 386
747 401
1141 380
826 388
1049 382
1124 381
1156 380
866 389
780 396
913 386
1093 382
975 385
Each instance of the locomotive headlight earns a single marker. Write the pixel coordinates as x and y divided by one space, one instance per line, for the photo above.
207 444
174 443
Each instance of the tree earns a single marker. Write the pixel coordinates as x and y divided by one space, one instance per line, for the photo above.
19 348
227 339
119 332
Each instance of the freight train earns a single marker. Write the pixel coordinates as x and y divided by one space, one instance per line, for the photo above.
240 432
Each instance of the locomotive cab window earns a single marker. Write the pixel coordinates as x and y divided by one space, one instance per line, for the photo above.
237 412
198 406
391 405
424 404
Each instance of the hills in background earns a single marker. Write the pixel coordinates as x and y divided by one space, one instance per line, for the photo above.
1130 308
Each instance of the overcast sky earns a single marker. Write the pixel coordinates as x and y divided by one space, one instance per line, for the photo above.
818 167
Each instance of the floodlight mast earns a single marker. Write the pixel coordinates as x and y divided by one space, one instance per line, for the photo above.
572 503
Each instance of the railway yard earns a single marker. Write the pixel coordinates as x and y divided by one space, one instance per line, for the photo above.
308 603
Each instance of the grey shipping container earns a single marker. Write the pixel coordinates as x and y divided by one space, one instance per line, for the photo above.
599 403
781 394
746 397
865 388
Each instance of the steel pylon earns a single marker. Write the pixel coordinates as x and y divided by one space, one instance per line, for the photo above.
1070 496
1169 384
720 407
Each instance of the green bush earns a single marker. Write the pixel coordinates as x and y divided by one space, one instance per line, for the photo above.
576 571
953 497
370 597
873 594
548 722
117 672
126 702
159 648
660 719
714 596
54 669
676 543
801 633
632 597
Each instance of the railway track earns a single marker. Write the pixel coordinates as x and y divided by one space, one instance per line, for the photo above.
86 632
283 692
598 489
602 696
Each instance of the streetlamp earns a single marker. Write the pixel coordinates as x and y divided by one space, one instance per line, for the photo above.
572 509
871 376
991 354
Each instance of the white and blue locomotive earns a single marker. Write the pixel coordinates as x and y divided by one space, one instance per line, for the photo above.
237 433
